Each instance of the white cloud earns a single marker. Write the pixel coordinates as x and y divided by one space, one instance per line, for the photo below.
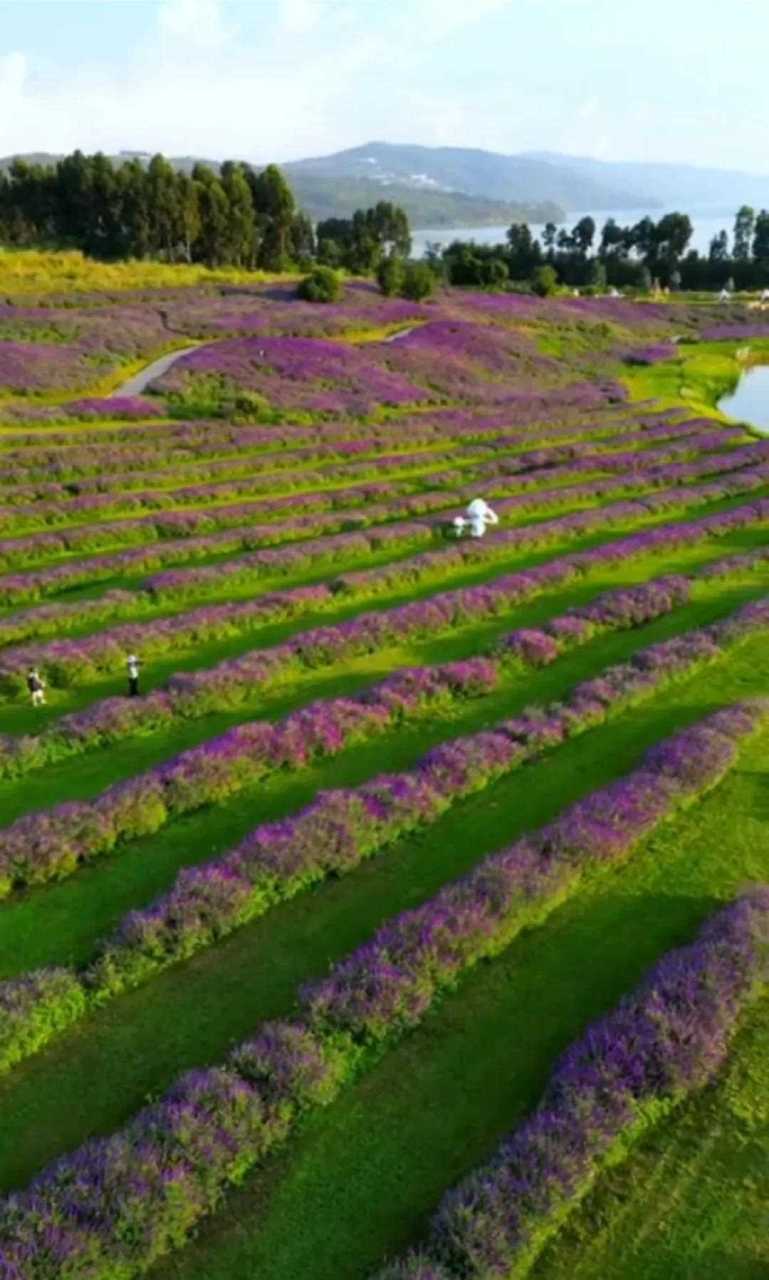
13 73
199 22
439 18
298 17
588 108
304 77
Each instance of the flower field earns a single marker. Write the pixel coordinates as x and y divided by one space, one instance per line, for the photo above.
412 922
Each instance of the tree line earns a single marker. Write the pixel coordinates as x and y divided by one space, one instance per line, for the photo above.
635 256
234 216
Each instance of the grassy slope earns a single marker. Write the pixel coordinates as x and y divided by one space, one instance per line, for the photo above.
87 904
704 373
363 1175
691 1203
193 1012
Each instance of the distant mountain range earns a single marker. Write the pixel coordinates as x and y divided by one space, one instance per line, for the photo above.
446 187
573 183
487 175
676 186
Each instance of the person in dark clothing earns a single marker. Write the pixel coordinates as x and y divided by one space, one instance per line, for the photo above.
132 663
36 687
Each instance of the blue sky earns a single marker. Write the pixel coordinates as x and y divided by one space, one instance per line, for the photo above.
676 80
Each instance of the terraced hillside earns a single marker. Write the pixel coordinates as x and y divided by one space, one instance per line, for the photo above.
413 921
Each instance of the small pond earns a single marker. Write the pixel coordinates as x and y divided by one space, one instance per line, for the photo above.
749 402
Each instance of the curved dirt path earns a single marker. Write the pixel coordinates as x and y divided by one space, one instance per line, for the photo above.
136 384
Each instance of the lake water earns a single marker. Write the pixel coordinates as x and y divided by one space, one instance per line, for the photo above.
707 222
749 402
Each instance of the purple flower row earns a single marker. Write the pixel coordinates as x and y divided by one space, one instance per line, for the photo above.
391 981
581 456
40 484
109 478
166 525
179 537
310 555
735 332
85 659
529 471
231 683
119 1204
91 451
501 544
341 828
180 584
46 514
337 831
660 1044
124 408
75 660
212 900
52 844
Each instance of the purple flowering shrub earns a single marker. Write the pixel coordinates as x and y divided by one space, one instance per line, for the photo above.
746 330
296 373
232 682
394 978
71 349
661 1043
124 408
35 1007
656 354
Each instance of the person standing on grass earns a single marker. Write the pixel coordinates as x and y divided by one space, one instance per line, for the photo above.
479 514
36 687
132 663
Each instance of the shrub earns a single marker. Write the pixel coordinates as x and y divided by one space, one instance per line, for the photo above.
391 274
544 281
205 395
323 284
418 282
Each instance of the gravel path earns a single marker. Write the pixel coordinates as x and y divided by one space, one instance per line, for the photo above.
135 385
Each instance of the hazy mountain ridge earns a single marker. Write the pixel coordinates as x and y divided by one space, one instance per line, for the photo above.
517 179
676 185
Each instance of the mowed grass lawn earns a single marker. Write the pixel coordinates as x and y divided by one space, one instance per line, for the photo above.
357 1182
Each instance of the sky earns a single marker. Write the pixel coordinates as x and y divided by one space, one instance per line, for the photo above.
263 80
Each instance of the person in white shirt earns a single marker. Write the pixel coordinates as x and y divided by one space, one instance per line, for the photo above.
479 514
132 663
